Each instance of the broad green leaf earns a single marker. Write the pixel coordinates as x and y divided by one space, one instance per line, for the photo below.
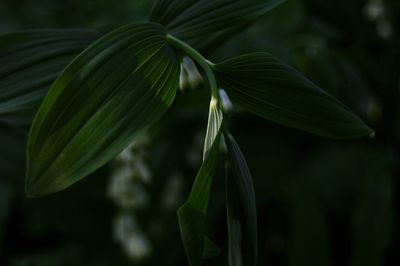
241 208
29 62
206 23
192 214
109 94
261 84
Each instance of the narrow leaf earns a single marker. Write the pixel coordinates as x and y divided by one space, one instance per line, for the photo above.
206 23
241 208
192 214
109 94
261 84
29 62
215 118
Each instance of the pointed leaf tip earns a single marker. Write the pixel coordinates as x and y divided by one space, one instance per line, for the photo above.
263 85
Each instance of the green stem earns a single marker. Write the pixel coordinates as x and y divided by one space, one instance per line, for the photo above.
199 59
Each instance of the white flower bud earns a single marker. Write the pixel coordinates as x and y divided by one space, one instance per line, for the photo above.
184 85
195 79
226 103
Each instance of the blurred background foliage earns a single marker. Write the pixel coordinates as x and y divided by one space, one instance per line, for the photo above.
320 202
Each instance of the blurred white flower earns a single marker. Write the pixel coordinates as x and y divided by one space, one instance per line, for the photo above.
384 28
129 235
126 189
374 9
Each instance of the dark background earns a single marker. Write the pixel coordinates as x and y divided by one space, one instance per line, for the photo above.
320 202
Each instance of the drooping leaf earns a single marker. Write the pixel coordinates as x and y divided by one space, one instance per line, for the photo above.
192 214
241 208
29 62
206 23
261 84
110 93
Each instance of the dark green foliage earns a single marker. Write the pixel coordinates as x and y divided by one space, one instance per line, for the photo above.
241 208
114 90
263 85
193 213
101 99
30 61
209 23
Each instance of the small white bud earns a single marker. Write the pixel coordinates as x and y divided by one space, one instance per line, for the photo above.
226 103
184 85
138 247
195 79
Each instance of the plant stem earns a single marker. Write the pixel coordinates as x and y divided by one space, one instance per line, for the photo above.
199 59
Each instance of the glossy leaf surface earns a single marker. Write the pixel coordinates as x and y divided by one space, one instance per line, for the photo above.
30 62
263 85
206 23
114 90
241 208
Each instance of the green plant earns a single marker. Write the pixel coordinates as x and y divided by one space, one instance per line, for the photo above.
127 79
